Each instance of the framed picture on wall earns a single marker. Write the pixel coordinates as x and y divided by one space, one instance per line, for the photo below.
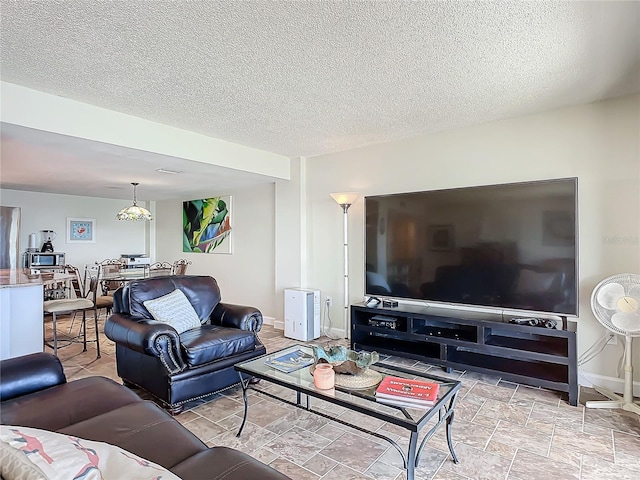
81 230
207 225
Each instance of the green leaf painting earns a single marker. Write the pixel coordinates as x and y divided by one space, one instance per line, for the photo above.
206 225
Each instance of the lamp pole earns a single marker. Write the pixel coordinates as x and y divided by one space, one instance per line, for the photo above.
345 200
347 329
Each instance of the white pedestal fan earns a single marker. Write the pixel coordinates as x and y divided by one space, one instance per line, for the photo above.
616 304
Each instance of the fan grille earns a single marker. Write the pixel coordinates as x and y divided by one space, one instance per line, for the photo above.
631 284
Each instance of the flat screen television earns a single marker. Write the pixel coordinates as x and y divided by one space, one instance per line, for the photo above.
511 246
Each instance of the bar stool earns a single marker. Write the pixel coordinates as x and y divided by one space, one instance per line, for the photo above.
72 305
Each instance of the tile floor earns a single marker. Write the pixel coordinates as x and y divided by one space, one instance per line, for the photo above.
501 430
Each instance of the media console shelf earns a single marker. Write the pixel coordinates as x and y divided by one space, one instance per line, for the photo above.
475 341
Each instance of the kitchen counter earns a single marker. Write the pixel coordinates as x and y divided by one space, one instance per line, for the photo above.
21 317
17 278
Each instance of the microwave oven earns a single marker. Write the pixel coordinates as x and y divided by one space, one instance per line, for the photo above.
44 260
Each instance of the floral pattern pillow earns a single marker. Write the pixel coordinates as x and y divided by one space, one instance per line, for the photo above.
40 454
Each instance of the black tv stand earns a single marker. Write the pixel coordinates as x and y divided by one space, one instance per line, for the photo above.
475 341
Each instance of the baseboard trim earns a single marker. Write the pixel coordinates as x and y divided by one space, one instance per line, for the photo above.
588 379
277 324
268 320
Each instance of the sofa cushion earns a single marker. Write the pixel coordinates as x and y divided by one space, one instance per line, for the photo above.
233 463
211 342
141 428
59 456
173 309
72 402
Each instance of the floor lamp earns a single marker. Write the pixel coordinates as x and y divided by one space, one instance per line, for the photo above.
345 200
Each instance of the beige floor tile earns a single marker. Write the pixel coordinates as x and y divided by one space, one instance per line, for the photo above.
319 464
522 437
444 474
264 455
344 472
470 433
253 437
527 465
292 470
204 429
298 445
477 464
502 449
627 450
355 451
382 471
596 468
492 392
567 443
615 419
525 392
514 412
545 416
468 406
331 430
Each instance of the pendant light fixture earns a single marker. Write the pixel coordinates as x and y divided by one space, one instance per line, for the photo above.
134 212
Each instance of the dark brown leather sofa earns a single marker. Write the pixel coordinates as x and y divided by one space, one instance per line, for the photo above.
177 368
34 393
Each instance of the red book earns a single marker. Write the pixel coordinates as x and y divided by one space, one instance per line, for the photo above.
418 391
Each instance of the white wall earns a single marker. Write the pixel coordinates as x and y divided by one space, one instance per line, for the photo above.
44 211
290 228
599 143
245 277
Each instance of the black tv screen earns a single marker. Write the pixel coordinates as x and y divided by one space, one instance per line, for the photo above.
510 246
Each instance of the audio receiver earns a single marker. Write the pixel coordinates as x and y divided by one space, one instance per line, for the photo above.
383 321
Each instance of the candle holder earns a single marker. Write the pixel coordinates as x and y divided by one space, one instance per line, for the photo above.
324 376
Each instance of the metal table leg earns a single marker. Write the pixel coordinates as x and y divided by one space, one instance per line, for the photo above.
245 387
412 460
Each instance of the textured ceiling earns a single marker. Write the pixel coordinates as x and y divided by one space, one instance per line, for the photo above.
309 78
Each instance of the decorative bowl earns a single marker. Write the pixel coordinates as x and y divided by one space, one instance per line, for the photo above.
345 361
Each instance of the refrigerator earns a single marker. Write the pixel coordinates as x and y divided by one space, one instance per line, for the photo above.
10 238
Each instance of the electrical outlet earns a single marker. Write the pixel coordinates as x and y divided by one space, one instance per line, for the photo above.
329 301
613 339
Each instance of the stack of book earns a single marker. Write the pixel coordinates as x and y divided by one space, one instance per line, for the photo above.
402 392
290 361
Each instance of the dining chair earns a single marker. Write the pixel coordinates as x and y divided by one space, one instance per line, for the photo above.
78 302
180 267
160 269
77 288
110 266
95 289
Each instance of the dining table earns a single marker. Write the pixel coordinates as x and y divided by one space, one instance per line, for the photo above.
113 280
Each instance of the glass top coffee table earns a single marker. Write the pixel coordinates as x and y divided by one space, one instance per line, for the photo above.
359 400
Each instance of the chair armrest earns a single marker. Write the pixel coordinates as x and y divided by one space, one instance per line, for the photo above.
237 316
146 336
28 374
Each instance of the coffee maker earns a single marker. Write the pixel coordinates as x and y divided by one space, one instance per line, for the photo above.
49 236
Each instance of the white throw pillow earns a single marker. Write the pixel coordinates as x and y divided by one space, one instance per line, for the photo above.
40 454
175 310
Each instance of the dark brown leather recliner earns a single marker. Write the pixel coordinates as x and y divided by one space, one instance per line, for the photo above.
177 368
